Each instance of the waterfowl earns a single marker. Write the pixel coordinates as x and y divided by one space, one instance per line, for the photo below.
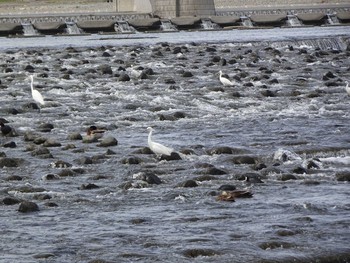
232 195
347 88
93 134
94 131
157 148
37 97
224 81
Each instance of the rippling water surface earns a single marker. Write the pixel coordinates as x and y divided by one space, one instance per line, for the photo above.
287 110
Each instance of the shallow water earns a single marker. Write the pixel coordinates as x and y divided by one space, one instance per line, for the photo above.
307 118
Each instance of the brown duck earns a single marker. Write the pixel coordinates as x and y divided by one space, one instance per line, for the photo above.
232 195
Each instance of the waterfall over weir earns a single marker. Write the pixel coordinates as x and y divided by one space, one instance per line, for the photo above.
335 43
73 29
29 30
246 21
207 24
293 21
123 27
332 19
166 25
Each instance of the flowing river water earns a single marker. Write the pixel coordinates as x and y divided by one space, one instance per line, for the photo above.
281 132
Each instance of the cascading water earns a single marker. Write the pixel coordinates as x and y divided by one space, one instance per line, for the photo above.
207 24
166 25
332 19
29 30
246 21
124 28
73 29
293 21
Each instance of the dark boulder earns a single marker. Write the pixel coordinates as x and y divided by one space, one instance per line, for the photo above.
27 207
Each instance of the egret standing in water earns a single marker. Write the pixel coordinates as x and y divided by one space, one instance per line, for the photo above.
157 148
38 98
347 88
225 81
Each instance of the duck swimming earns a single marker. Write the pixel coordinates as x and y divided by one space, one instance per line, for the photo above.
93 134
232 195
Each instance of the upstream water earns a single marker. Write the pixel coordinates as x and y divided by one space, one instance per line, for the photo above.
288 109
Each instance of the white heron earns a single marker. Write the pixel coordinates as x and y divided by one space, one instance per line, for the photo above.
225 81
35 93
157 148
347 88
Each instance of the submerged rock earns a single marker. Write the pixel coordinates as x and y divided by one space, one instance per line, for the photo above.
27 207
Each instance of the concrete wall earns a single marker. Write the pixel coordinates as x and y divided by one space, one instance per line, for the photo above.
176 8
142 6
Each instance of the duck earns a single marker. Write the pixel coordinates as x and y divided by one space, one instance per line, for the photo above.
232 195
93 134
224 81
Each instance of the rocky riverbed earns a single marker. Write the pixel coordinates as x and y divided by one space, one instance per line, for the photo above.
281 133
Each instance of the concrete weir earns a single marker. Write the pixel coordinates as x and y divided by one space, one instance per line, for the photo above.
173 15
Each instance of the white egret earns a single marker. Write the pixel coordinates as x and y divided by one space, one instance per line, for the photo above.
347 88
35 93
225 81
157 148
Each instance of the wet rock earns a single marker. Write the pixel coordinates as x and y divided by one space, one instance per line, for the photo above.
124 77
227 187
42 152
343 176
50 177
84 160
260 166
60 164
27 207
40 140
131 160
215 171
244 159
287 177
51 143
45 127
29 136
300 170
285 232
169 81
205 177
275 245
105 69
173 157
188 184
14 178
149 178
268 93
10 145
42 197
30 106
200 252
10 162
252 178
66 172
108 141
225 150
88 186
29 68
187 74
10 201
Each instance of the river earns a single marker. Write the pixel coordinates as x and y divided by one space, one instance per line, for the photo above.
285 122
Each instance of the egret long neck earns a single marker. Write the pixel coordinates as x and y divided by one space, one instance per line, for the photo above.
150 137
31 83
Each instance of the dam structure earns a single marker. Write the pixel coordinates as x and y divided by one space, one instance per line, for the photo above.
104 16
